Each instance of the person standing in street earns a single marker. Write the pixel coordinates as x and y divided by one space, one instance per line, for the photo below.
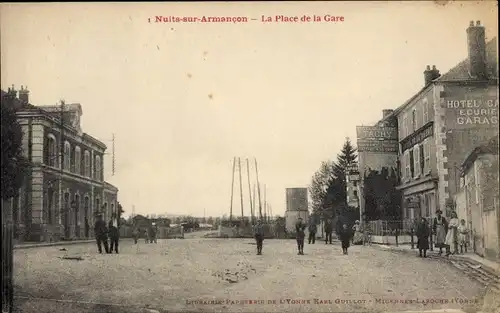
300 228
345 238
463 233
101 234
114 233
451 240
135 234
423 234
313 228
258 230
328 231
440 228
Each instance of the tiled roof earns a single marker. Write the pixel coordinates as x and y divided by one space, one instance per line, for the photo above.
461 71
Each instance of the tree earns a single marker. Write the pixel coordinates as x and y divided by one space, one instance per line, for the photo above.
210 220
382 199
319 185
14 165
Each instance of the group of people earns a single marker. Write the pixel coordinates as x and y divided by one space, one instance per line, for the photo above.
150 234
345 235
104 231
452 234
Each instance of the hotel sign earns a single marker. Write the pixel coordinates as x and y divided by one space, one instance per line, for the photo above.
377 139
418 137
472 111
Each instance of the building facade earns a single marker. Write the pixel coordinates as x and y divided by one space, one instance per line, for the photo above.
65 188
297 206
477 201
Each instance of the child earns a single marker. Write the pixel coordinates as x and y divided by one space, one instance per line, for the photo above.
462 236
345 238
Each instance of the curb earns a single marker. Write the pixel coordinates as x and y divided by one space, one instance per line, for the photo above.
51 244
453 258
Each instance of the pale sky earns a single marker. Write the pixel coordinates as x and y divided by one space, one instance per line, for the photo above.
184 99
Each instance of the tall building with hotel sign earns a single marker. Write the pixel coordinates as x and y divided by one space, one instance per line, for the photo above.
65 187
439 125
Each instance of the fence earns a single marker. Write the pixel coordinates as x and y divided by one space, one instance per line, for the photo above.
390 227
7 267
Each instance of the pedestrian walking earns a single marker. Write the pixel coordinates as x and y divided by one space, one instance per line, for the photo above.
440 228
101 234
357 237
345 237
463 236
135 234
423 233
452 234
114 233
152 233
300 228
146 235
258 230
328 231
313 228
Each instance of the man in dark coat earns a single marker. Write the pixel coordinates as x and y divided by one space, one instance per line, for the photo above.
423 233
345 237
300 230
313 228
114 233
101 234
258 230
328 231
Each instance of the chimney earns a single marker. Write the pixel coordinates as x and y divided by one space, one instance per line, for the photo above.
428 75
476 42
435 73
24 94
386 113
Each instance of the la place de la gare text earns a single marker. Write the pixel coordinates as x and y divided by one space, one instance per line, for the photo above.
242 19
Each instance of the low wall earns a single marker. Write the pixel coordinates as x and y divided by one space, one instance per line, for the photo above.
244 232
391 240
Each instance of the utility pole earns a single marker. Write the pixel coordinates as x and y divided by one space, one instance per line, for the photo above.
232 191
258 188
241 190
265 204
250 193
113 156
253 202
62 205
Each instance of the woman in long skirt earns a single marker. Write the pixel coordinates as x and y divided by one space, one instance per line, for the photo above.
440 228
452 235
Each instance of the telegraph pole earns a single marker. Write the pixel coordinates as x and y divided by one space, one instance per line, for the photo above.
241 190
232 192
113 156
258 188
250 193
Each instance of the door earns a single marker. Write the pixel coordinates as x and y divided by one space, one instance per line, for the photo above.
66 216
77 216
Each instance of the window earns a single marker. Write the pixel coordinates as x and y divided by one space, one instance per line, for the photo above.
412 164
427 156
78 160
407 165
422 158
425 111
477 180
97 167
97 205
416 159
355 183
414 120
86 162
67 156
106 213
355 194
405 126
51 151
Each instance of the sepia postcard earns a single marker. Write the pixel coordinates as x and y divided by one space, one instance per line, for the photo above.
300 156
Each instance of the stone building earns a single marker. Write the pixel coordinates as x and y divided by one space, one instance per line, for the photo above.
65 187
477 201
451 115
297 205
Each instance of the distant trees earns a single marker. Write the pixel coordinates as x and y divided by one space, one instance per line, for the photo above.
382 199
328 186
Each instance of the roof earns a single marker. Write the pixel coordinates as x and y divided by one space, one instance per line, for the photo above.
491 147
461 71
110 186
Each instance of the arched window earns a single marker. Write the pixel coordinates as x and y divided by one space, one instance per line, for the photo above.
67 156
106 213
51 151
86 162
98 167
78 160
